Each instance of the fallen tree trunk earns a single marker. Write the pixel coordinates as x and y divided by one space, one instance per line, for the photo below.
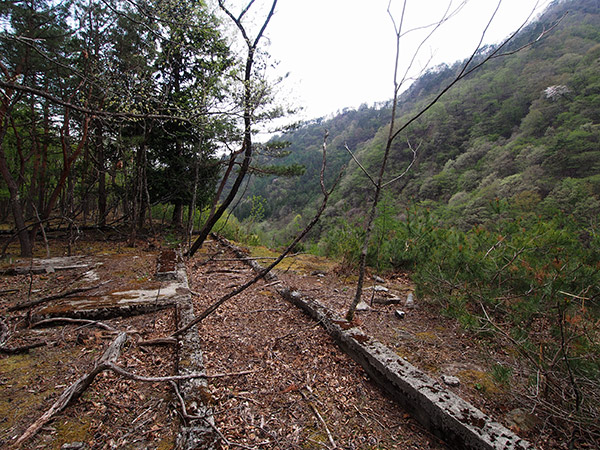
49 298
21 349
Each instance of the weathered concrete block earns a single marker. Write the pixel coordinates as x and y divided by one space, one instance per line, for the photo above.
197 434
446 415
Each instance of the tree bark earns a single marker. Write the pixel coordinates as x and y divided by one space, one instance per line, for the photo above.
248 106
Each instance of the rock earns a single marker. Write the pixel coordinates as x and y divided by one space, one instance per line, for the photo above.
379 288
450 381
410 301
399 314
74 446
378 279
362 306
521 419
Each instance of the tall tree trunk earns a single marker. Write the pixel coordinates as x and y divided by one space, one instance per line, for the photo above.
177 219
101 177
15 201
11 184
248 106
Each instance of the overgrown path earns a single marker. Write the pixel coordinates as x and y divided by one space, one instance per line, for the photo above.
276 379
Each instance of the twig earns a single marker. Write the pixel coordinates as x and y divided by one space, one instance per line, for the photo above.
318 415
8 291
360 165
75 321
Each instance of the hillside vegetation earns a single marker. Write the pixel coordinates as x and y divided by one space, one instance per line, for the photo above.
498 219
523 128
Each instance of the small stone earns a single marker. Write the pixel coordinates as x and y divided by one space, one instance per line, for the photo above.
410 301
378 279
521 419
450 381
49 269
379 288
74 446
362 306
399 314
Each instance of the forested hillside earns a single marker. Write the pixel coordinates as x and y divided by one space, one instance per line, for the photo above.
524 129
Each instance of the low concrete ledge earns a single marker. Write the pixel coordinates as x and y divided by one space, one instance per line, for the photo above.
455 421
198 433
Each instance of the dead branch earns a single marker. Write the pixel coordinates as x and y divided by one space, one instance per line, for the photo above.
318 416
225 271
50 298
21 349
76 389
61 320
264 272
159 341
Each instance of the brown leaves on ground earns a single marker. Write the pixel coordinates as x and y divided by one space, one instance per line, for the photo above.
296 371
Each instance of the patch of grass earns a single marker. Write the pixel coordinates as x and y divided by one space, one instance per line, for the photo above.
304 263
501 374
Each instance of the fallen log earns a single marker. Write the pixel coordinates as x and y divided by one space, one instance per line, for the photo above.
21 349
50 298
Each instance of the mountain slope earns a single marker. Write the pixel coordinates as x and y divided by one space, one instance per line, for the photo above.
525 128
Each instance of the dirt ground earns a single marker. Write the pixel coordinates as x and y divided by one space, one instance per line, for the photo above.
282 384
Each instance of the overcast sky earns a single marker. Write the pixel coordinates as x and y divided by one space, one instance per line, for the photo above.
340 53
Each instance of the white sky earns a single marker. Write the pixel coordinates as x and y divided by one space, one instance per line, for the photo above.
340 53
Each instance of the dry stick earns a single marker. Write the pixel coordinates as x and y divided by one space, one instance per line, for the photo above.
60 320
8 291
208 311
53 297
318 415
159 341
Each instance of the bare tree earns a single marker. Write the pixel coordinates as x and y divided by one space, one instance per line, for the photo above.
249 105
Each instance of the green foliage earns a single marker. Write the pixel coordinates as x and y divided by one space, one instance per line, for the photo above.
344 241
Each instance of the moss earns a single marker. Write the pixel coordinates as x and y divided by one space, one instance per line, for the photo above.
482 381
426 336
71 430
315 440
305 263
22 392
166 443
